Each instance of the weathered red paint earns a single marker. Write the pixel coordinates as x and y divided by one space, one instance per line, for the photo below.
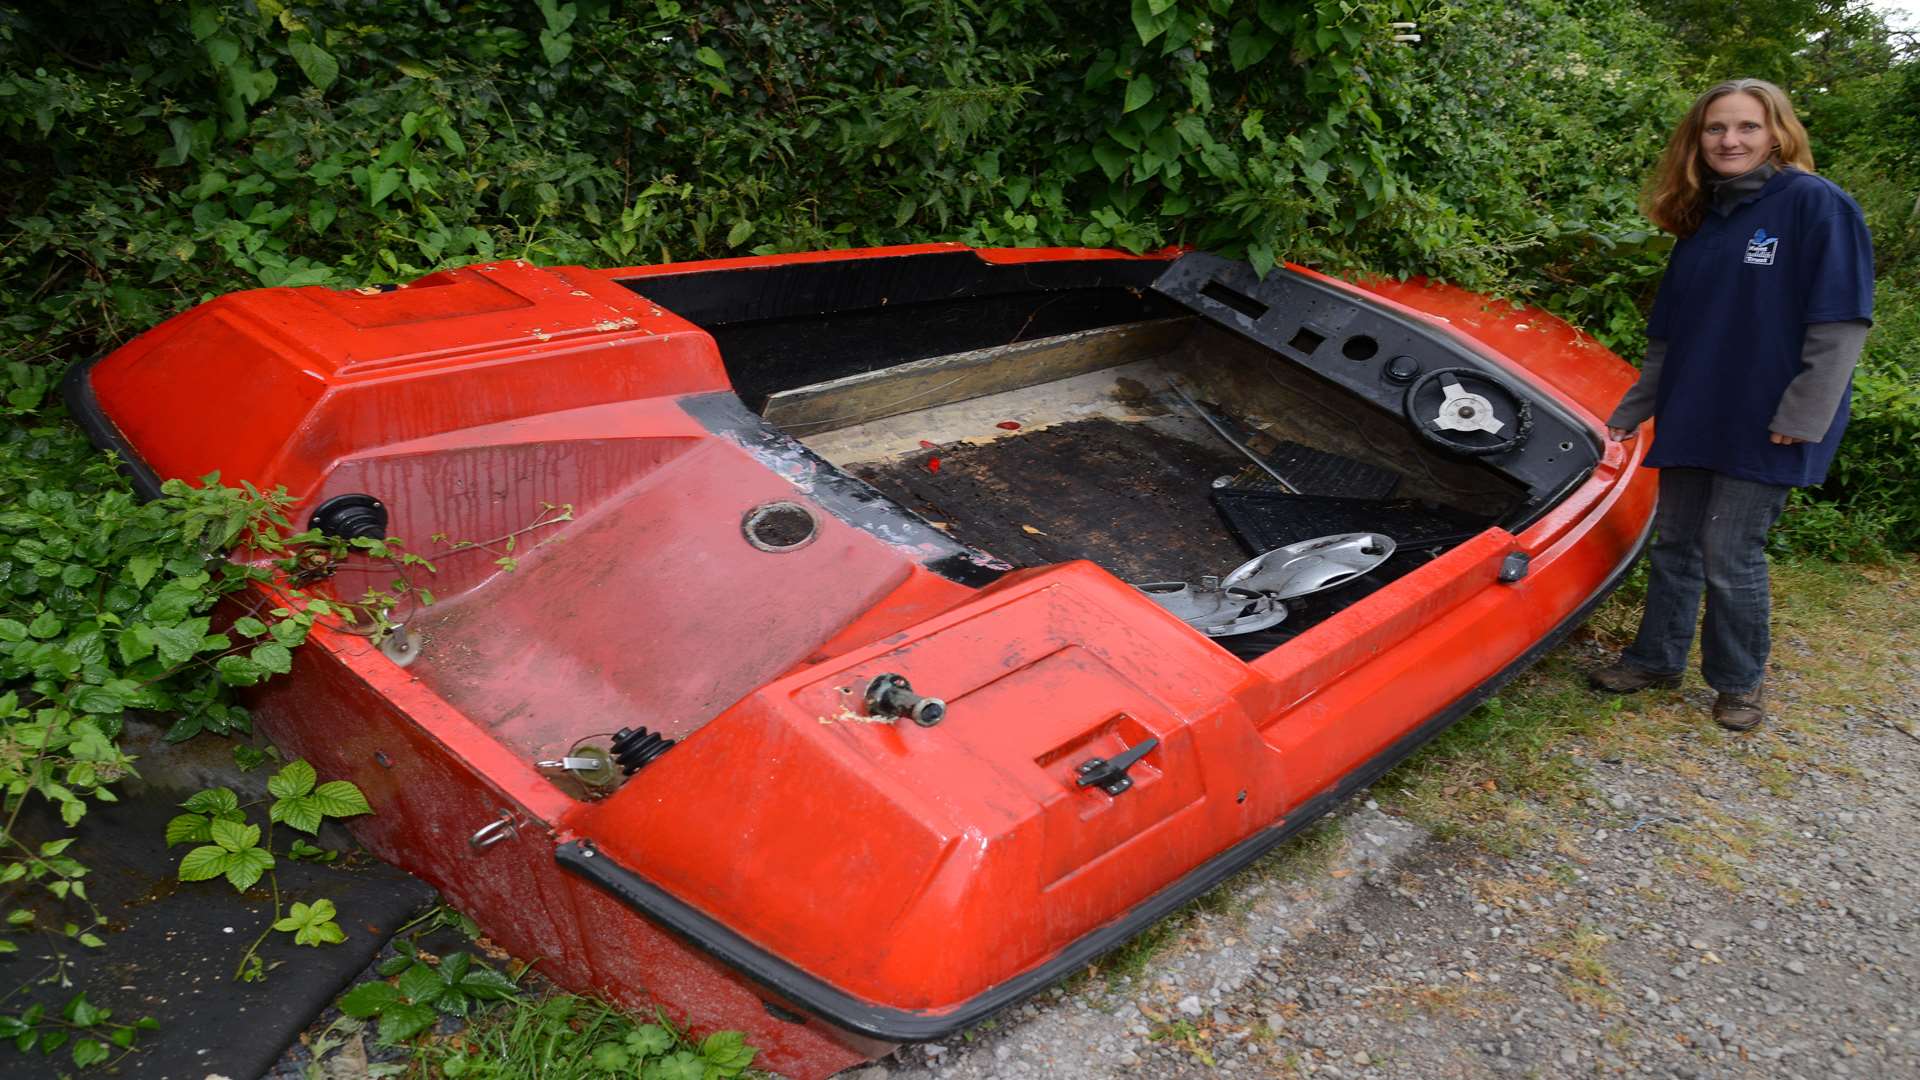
910 867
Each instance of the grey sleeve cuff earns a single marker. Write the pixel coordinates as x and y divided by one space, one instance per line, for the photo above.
1637 405
1826 369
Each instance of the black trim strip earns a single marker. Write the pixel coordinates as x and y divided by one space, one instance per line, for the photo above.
76 388
911 1025
848 498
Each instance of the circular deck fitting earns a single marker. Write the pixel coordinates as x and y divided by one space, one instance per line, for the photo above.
1402 369
779 526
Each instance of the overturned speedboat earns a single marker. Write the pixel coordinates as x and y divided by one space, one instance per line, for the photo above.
890 632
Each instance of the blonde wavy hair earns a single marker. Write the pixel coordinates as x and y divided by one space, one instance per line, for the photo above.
1676 198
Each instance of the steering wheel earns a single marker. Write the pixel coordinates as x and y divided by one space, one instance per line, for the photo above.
1467 411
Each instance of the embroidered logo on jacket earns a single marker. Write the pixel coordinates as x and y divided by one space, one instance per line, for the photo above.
1761 249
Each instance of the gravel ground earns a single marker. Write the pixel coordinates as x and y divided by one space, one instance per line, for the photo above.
1732 906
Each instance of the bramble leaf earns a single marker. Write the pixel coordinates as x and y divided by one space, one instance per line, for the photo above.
294 779
312 924
420 983
399 1022
340 798
212 801
301 813
487 985
189 829
234 835
244 867
369 999
203 863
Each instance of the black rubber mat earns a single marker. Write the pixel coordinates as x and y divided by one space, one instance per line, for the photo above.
1130 498
171 948
1307 470
1267 520
1314 472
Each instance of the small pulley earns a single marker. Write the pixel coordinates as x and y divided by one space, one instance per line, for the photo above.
636 746
588 762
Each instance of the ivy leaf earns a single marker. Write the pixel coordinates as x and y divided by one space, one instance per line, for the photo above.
1261 255
340 798
1249 44
1152 17
1139 92
320 214
88 1052
248 626
1111 157
316 63
1278 15
555 47
712 59
294 779
383 182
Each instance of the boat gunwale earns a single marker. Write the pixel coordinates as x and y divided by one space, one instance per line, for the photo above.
858 1015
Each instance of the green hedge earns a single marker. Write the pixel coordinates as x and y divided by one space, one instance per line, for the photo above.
158 153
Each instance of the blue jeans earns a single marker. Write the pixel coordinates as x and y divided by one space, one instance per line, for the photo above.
1710 535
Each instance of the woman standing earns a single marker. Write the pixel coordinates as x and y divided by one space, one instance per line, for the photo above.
1751 345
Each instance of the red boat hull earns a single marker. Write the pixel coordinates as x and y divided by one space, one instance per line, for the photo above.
827 883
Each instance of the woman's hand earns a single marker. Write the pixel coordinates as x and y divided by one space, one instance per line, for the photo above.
1778 439
1619 434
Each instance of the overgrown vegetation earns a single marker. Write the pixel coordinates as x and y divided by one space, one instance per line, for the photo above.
158 153
229 847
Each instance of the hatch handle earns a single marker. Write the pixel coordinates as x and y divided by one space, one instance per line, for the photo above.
493 832
1110 774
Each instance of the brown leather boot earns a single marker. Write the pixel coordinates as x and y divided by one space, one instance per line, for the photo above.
1740 712
1620 677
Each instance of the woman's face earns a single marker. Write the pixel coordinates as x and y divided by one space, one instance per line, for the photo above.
1735 136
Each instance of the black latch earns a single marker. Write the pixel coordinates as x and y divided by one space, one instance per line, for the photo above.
1514 566
1111 776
